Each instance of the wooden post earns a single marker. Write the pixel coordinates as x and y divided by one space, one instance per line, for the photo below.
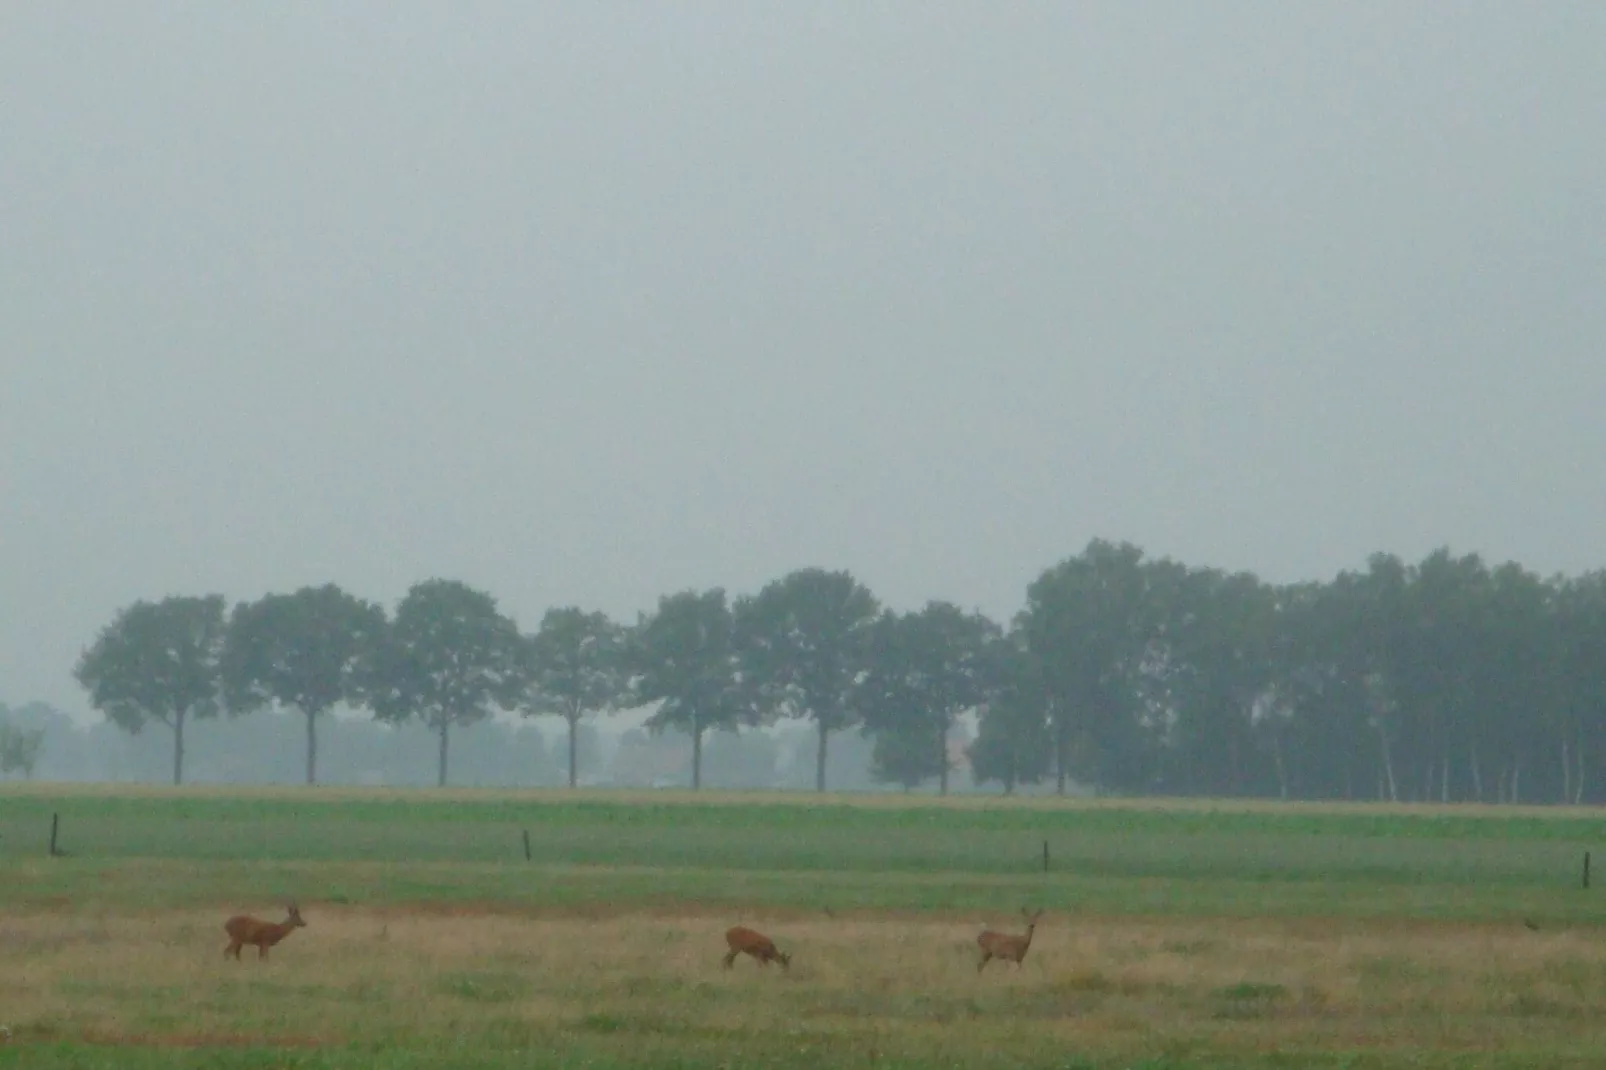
526 845
1045 856
55 823
1586 869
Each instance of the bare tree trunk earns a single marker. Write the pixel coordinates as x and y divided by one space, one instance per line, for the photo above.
441 775
1477 774
1578 779
1388 762
942 775
696 755
178 746
1444 777
574 748
312 746
1061 745
819 758
1516 777
1277 756
1566 771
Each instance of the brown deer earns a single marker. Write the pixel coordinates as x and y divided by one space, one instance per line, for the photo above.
1006 947
744 941
243 930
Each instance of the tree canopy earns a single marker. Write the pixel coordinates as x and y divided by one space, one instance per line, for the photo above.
804 640
157 661
575 666
449 658
308 651
684 658
1444 679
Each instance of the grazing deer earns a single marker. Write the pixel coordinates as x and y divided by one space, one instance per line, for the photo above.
744 941
1006 947
244 930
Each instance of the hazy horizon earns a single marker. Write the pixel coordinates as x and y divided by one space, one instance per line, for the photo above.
588 304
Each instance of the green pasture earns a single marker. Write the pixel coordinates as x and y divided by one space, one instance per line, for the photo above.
192 847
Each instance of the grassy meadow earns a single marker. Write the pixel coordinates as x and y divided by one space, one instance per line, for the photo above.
1175 934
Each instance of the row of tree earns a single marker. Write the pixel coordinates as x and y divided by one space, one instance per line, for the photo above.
501 751
1443 680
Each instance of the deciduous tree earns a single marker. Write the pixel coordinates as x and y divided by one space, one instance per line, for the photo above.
682 657
157 661
307 651
576 667
923 670
450 657
804 642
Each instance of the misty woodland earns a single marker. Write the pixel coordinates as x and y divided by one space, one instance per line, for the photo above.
1446 680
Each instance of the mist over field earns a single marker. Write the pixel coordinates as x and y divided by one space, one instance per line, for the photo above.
904 536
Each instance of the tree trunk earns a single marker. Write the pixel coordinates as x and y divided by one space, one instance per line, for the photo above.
1061 745
1516 776
696 755
1282 772
1477 774
1444 777
574 748
1578 778
1566 771
1388 762
312 746
441 777
178 746
819 759
942 773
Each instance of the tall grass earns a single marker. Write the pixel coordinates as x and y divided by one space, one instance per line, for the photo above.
614 987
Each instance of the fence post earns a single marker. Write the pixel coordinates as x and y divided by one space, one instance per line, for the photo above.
526 845
1045 856
55 822
1586 869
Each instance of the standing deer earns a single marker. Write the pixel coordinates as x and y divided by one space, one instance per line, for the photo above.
1006 947
744 941
243 929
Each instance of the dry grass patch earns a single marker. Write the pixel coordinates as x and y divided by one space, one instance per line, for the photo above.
907 984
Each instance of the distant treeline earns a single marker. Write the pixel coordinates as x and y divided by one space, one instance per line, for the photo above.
267 748
1446 680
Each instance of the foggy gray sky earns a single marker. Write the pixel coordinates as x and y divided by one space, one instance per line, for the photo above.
591 302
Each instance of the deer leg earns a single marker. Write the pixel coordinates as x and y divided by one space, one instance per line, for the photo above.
730 958
262 951
986 957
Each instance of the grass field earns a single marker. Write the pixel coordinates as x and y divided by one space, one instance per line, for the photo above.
1176 934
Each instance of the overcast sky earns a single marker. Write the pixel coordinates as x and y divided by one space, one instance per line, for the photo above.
590 302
